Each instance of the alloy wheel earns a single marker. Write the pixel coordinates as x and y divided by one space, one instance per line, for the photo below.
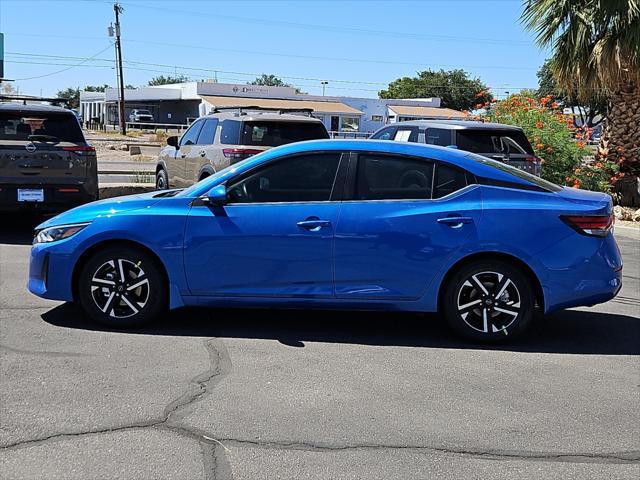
489 302
120 288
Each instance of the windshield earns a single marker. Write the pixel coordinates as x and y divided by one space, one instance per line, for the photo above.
549 186
39 126
272 134
143 112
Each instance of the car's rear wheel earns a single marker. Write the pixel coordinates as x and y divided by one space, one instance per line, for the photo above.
122 287
489 301
162 183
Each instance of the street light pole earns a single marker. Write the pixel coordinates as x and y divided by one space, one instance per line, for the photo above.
123 124
324 83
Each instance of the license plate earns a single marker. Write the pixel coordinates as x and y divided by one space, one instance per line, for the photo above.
30 195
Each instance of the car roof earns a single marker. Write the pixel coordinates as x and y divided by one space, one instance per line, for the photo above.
271 116
35 108
475 164
457 125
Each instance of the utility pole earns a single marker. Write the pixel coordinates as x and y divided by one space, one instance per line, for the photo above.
123 124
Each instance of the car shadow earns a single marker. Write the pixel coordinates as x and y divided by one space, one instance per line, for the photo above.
18 227
569 332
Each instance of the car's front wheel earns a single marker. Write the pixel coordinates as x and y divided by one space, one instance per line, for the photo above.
489 301
121 287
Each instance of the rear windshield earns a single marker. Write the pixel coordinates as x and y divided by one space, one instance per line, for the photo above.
272 134
545 184
493 141
39 126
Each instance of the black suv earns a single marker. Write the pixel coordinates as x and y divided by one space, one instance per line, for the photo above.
505 143
45 161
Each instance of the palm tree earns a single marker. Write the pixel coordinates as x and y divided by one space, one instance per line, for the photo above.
596 49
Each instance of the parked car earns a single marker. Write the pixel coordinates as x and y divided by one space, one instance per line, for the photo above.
216 141
45 162
504 143
142 116
340 224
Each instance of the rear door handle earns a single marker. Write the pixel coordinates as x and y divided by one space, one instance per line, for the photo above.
313 225
455 221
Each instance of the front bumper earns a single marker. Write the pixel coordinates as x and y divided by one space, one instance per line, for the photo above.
51 270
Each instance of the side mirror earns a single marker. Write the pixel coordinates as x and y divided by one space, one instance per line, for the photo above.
172 141
217 195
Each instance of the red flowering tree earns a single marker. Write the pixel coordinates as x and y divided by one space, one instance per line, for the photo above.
555 140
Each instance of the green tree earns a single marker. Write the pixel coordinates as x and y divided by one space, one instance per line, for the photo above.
269 81
96 88
71 95
591 109
596 48
454 87
162 80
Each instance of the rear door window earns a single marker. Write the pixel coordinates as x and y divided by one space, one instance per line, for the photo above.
39 126
272 134
230 132
438 136
388 177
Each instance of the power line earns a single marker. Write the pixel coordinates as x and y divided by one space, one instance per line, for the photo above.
290 55
66 69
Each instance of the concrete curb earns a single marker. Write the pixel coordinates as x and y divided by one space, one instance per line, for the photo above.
110 190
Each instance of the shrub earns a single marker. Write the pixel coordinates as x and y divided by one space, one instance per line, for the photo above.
551 134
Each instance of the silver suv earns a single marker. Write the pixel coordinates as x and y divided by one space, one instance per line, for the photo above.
139 115
216 141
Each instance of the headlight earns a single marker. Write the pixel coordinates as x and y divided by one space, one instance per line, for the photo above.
51 234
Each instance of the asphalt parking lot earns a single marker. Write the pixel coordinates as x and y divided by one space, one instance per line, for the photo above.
248 394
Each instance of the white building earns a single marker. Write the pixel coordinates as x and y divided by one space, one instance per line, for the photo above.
181 103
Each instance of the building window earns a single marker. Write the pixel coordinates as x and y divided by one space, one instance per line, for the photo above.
350 124
376 118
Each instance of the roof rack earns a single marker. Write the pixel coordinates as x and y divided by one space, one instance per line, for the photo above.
25 99
241 110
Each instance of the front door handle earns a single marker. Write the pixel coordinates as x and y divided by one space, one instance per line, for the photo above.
313 225
203 153
455 221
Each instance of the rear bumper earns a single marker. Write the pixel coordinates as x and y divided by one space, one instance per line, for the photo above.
57 197
588 280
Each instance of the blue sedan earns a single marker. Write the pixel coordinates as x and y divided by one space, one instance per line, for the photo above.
340 224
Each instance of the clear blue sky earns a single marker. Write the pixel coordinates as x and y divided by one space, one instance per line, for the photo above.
358 46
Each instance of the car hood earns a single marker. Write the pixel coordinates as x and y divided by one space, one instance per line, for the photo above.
102 208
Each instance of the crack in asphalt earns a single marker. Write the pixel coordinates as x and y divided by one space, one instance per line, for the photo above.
627 457
214 461
43 353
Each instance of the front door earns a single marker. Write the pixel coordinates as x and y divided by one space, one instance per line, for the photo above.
187 152
274 237
406 217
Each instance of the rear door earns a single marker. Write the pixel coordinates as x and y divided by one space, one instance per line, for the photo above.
40 148
405 218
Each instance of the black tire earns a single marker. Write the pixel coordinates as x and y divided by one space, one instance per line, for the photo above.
498 311
162 182
110 301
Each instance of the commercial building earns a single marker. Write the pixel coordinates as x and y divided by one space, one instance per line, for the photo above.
181 103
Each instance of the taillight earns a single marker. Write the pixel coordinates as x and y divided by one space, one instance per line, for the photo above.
68 190
237 154
532 159
594 225
85 148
